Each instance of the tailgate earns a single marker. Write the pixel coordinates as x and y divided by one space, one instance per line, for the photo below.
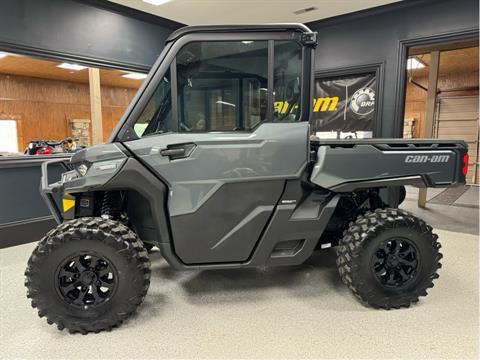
349 165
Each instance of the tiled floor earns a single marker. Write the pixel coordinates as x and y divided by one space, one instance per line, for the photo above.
469 198
412 193
461 216
466 196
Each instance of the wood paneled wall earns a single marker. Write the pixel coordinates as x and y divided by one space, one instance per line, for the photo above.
43 107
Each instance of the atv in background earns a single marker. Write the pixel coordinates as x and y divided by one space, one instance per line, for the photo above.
204 167
48 147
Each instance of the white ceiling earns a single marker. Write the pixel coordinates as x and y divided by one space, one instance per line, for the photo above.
208 12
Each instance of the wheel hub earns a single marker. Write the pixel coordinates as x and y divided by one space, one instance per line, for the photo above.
86 280
392 261
395 262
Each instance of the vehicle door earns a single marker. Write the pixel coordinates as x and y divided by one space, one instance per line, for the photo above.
221 129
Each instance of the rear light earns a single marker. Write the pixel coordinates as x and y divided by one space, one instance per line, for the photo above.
465 164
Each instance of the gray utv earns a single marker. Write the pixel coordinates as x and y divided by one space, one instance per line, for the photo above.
214 163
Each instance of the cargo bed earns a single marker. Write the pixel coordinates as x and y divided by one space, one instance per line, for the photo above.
347 165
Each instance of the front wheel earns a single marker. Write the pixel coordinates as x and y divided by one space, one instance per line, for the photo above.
389 258
88 275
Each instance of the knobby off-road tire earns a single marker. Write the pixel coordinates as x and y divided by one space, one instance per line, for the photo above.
389 258
88 275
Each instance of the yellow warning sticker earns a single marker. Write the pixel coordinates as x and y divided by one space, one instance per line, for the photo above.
67 204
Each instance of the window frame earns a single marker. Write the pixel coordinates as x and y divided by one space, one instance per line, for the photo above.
167 62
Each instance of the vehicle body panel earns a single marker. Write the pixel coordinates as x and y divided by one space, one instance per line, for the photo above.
233 180
345 166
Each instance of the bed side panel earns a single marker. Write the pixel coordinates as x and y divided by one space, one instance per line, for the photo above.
338 168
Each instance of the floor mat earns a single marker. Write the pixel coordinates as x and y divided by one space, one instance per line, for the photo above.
449 196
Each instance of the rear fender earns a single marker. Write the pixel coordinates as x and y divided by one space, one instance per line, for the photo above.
345 168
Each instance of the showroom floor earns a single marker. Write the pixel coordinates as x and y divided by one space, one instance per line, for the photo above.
447 209
297 312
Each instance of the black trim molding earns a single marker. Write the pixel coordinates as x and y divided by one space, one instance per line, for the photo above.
99 62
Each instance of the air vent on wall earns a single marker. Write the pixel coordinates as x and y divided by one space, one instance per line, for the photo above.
305 10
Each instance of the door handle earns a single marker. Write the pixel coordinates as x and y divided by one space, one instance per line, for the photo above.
178 151
173 152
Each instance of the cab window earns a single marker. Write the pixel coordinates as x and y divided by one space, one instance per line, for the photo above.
287 72
222 85
156 118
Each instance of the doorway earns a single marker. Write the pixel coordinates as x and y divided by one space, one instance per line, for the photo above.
442 98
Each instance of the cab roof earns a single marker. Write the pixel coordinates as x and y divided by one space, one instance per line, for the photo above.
237 28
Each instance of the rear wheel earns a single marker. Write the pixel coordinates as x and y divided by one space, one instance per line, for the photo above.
389 258
88 275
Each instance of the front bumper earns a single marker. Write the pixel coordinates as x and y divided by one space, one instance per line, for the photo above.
97 177
49 190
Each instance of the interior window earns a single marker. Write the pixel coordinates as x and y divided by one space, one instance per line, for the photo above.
156 118
286 83
222 85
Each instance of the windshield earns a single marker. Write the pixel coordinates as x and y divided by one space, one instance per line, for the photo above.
156 118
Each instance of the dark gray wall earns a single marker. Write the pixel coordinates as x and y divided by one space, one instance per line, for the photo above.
24 217
373 36
86 30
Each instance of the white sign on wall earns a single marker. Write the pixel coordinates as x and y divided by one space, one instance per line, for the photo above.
8 136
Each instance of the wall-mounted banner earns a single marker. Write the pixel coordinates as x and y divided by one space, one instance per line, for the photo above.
344 107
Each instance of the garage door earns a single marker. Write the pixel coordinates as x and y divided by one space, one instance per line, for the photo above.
457 118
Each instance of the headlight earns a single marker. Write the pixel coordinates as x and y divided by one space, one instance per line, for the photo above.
99 168
69 176
82 169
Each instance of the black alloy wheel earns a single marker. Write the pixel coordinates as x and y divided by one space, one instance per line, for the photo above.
395 262
86 280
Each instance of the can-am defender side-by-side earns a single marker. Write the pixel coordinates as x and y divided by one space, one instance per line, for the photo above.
213 162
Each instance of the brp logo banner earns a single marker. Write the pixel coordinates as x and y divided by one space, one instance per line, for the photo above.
363 101
345 106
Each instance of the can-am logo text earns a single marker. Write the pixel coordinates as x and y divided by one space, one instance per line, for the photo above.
427 158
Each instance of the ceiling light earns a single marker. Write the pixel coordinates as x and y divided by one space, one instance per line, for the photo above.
414 63
305 10
135 76
68 66
156 2
246 42
3 54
